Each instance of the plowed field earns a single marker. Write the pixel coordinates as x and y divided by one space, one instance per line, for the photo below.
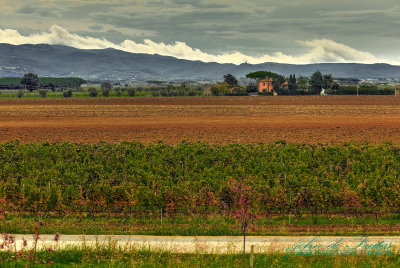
307 119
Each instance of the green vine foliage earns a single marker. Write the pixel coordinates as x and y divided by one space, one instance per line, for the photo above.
193 177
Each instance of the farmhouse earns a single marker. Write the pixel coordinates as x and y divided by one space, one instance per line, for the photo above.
265 85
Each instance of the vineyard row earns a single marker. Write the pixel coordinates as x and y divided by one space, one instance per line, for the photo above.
193 177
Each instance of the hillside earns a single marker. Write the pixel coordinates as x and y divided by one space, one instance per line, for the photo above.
57 61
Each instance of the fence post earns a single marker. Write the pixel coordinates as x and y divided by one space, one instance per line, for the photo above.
252 256
290 200
161 214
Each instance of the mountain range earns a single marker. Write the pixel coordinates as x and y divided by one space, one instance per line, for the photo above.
111 64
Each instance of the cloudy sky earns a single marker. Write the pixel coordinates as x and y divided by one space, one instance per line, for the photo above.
237 31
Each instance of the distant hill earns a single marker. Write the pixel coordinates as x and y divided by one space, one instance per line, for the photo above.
111 64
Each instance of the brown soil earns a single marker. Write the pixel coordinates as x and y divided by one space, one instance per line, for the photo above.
307 119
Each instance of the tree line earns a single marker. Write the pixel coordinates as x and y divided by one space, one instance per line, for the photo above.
282 85
31 81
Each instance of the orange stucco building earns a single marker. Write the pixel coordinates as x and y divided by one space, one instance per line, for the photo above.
265 85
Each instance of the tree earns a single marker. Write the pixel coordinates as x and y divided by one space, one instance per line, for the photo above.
75 82
43 93
52 86
31 81
118 91
316 82
292 85
106 88
278 83
246 204
335 86
231 80
220 89
92 92
185 85
278 80
106 85
238 90
302 83
252 87
327 81
131 92
20 93
261 75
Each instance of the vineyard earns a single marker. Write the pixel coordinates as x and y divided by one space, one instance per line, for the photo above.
199 177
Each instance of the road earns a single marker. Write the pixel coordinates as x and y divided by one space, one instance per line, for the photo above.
211 244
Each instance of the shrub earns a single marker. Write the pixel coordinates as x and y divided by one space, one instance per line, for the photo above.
155 93
67 93
131 92
251 88
265 93
92 92
20 93
43 93
237 94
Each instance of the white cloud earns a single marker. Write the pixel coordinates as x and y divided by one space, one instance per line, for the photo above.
56 36
322 50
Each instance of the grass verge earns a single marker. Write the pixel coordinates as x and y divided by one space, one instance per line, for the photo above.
110 256
184 225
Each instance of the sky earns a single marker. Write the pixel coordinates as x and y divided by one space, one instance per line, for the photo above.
225 31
